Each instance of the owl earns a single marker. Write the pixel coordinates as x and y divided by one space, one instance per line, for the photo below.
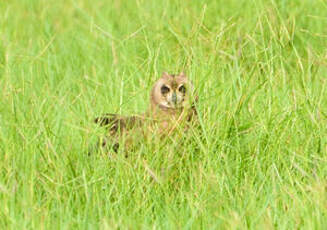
172 107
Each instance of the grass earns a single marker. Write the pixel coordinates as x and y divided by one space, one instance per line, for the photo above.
258 160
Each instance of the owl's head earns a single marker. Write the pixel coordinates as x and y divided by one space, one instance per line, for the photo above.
172 91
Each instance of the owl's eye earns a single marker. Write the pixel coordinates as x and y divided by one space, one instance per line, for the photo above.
182 89
164 89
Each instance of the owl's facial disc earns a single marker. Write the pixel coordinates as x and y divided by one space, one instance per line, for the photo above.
173 96
172 91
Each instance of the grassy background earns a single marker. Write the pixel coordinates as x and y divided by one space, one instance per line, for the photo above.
259 160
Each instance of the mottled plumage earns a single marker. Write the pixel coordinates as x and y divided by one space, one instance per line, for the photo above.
171 104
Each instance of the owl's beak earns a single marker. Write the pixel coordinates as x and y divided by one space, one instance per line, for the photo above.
174 98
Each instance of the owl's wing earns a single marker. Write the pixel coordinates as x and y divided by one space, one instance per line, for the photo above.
117 123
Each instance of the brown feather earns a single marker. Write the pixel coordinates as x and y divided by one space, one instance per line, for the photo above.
168 108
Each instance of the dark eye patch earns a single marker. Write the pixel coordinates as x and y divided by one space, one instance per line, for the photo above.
164 89
182 89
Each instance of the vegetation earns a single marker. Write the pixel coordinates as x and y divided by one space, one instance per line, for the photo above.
258 160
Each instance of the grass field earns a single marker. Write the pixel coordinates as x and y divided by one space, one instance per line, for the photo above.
258 160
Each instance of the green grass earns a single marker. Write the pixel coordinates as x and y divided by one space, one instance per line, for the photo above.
258 161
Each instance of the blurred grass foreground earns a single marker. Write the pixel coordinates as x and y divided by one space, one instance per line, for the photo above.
258 161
